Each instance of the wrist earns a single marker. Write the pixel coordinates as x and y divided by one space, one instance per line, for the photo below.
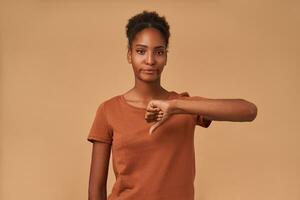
174 106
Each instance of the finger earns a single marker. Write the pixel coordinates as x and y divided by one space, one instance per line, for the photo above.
153 109
151 118
151 115
154 127
160 115
151 105
151 130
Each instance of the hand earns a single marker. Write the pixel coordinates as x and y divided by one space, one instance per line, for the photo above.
158 111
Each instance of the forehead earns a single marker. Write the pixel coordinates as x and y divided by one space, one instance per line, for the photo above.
150 37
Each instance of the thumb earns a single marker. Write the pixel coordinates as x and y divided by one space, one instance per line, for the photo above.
157 124
153 127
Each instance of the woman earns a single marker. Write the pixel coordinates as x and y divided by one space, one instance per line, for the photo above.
149 129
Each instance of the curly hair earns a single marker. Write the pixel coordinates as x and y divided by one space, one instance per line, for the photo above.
144 20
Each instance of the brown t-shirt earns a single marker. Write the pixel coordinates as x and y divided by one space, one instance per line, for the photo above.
160 166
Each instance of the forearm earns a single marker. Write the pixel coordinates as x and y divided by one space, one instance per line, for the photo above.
217 109
98 194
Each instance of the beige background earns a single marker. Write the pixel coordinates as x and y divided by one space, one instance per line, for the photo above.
60 59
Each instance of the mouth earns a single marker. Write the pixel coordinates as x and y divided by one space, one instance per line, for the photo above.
149 71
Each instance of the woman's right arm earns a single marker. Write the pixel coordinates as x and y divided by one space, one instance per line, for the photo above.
99 171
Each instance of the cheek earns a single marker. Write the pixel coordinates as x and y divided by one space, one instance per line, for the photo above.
137 59
162 60
136 66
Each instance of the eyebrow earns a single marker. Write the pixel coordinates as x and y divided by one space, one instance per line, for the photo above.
142 45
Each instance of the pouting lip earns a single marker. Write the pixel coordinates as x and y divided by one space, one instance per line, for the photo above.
149 70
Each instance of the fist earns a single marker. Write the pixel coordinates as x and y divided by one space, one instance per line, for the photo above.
157 111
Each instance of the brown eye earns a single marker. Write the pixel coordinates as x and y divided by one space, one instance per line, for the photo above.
140 51
161 52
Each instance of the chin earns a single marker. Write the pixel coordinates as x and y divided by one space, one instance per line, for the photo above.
149 79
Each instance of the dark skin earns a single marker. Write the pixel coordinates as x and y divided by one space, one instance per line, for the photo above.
99 171
148 52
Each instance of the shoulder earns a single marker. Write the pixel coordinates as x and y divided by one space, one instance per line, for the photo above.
109 102
108 107
186 95
181 94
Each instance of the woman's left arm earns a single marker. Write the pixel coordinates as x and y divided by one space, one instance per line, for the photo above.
237 110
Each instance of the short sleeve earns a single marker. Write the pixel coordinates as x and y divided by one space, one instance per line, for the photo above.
100 131
200 119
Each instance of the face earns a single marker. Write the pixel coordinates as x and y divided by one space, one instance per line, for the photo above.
148 55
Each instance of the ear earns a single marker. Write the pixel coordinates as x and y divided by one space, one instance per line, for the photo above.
129 59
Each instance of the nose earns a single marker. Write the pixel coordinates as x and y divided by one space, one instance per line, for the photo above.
150 60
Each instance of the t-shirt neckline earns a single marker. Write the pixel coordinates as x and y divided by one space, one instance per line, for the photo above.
123 100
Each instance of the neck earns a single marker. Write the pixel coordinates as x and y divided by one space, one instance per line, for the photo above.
149 90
